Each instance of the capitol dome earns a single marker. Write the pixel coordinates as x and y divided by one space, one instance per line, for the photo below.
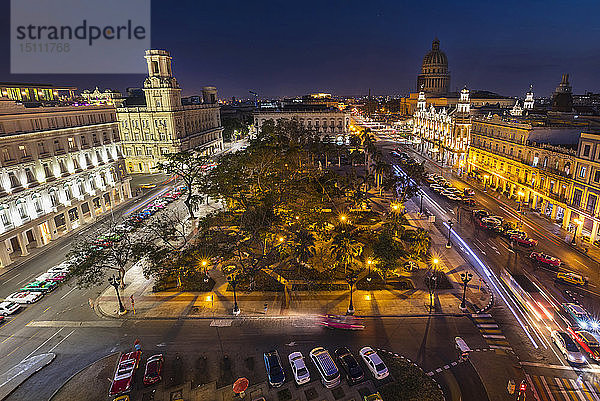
434 77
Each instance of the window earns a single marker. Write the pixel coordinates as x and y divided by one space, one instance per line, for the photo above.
30 177
14 182
22 208
6 154
577 197
591 203
68 193
71 142
37 202
23 151
586 150
582 171
47 171
53 197
57 146
155 67
5 217
148 151
597 176
42 148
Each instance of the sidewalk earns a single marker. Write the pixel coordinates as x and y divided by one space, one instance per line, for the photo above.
219 302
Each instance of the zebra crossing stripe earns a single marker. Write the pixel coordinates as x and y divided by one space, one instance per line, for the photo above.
430 373
495 336
487 326
538 384
590 388
439 370
532 386
500 347
577 390
562 389
545 383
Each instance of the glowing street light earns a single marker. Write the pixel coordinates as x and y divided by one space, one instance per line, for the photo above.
343 218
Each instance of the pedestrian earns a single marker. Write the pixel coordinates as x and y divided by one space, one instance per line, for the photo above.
266 308
91 302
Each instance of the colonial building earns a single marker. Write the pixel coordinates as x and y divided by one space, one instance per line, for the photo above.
162 122
434 77
60 168
325 121
539 162
445 134
585 211
97 97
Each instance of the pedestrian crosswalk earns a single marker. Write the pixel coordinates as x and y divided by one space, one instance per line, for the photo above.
547 388
490 332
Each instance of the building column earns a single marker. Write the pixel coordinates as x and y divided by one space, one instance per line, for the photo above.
80 213
38 236
566 218
68 225
21 241
102 203
594 231
554 211
52 228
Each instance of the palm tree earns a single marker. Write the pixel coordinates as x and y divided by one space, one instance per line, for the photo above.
303 245
381 169
345 246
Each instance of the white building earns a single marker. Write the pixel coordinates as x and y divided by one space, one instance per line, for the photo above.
445 134
324 121
60 168
164 122
97 97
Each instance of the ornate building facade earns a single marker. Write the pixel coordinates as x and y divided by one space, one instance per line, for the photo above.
434 77
445 133
60 168
164 123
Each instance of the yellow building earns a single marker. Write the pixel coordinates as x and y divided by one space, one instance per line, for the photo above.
554 170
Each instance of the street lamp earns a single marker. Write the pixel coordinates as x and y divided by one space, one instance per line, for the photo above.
450 224
486 177
234 282
351 279
343 218
369 263
578 223
114 281
465 277
421 193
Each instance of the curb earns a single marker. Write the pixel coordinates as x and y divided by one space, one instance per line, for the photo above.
415 365
281 317
491 302
78 372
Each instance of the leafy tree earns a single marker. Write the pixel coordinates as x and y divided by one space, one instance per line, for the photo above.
386 251
190 167
96 256
303 243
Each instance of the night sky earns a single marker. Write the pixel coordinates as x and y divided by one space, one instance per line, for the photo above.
289 48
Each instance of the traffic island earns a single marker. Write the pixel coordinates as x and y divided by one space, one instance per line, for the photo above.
16 375
408 381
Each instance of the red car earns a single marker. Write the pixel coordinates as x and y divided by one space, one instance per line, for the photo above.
523 240
545 259
153 370
123 379
343 322
588 342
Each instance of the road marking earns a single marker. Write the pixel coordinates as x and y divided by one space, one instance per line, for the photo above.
561 367
439 370
10 279
57 344
45 310
543 380
501 347
581 390
532 386
42 344
488 325
221 322
68 323
70 291
446 366
590 388
495 336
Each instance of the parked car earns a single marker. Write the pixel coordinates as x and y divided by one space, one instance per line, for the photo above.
469 192
508 233
373 397
25 297
469 201
374 363
8 308
330 375
589 343
274 369
56 277
354 373
480 214
40 286
544 259
124 228
152 373
125 373
572 278
63 267
567 347
299 369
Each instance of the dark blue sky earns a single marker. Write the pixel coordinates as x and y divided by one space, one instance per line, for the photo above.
286 48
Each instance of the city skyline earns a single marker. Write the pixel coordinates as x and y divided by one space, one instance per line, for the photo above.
349 50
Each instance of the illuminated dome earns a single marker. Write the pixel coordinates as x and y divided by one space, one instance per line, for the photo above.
434 77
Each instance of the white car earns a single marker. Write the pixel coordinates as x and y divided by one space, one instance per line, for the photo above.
567 347
63 267
301 373
8 308
25 297
374 363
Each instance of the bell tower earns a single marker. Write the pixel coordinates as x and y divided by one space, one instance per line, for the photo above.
421 101
529 101
160 87
464 104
